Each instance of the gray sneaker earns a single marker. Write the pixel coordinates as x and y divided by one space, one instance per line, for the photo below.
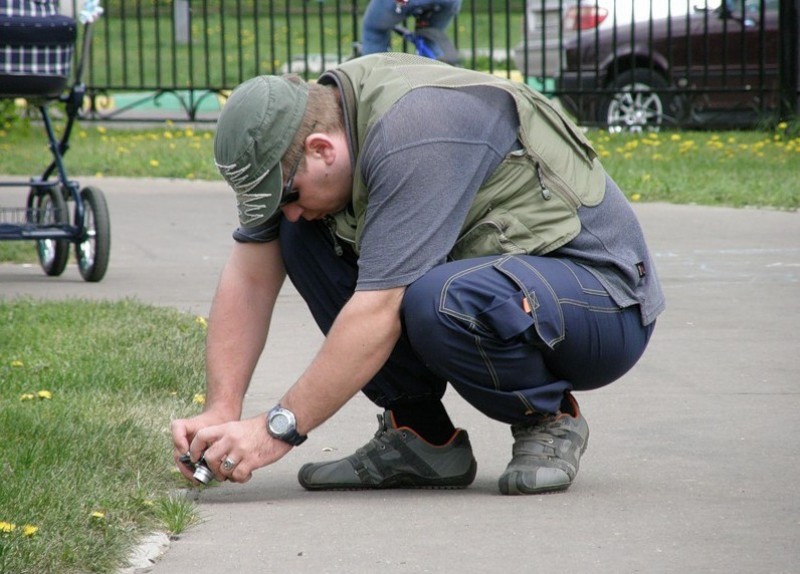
396 458
546 453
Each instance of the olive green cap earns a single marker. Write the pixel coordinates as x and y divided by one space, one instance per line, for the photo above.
254 130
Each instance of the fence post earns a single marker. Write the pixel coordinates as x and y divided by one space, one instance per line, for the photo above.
790 58
181 17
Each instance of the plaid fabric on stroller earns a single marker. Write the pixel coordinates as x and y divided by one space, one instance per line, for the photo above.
37 49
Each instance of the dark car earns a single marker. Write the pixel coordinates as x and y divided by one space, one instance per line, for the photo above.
708 67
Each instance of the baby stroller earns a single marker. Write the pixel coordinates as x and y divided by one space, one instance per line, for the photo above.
36 55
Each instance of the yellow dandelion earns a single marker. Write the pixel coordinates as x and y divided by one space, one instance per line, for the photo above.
27 397
782 126
168 135
30 530
45 395
153 163
17 363
101 129
675 137
7 527
98 515
199 399
636 197
201 321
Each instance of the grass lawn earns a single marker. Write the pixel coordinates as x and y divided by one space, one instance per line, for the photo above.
87 391
736 168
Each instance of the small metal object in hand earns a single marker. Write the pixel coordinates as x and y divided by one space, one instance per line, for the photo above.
228 464
201 471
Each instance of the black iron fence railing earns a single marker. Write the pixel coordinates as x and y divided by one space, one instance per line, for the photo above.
626 64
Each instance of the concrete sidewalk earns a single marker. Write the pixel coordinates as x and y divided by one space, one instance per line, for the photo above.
693 460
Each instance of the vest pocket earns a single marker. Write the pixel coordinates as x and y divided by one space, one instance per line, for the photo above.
496 234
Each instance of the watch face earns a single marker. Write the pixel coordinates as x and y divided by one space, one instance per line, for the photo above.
279 423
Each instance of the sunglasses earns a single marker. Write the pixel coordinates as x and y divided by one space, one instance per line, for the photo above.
288 193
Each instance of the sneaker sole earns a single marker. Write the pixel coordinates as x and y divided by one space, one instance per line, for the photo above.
523 490
400 481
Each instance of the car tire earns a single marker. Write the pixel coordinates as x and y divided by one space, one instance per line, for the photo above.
640 102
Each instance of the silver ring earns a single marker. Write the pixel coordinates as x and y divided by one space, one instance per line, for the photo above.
228 464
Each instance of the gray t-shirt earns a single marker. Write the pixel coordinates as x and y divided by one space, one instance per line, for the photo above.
423 162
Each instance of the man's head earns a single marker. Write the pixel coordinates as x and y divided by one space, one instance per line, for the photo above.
256 127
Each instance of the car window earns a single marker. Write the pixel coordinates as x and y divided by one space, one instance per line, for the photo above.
754 6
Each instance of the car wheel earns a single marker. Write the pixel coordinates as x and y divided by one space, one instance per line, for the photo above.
639 103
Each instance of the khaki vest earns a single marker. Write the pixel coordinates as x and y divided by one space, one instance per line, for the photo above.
528 205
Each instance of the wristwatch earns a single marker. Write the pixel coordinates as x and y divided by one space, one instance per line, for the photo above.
282 425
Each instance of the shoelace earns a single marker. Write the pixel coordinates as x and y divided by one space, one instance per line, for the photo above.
381 439
542 435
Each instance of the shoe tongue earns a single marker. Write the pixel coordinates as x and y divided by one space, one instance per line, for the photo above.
388 420
385 422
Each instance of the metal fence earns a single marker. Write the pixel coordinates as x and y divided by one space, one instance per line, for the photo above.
627 63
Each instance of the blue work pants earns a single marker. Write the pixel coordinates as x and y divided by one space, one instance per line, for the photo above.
511 334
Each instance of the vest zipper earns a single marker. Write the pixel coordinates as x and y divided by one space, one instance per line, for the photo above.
545 192
331 223
543 172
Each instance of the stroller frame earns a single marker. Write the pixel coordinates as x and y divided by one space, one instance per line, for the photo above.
45 218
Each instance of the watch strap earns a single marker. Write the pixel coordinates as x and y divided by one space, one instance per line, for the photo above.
293 437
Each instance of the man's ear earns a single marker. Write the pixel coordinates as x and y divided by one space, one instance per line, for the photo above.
321 145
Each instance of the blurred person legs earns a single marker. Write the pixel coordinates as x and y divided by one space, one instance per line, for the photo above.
382 15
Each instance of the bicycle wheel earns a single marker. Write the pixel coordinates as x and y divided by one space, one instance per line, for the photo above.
94 248
50 209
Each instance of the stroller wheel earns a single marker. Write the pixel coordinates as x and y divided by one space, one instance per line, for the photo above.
50 208
94 247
